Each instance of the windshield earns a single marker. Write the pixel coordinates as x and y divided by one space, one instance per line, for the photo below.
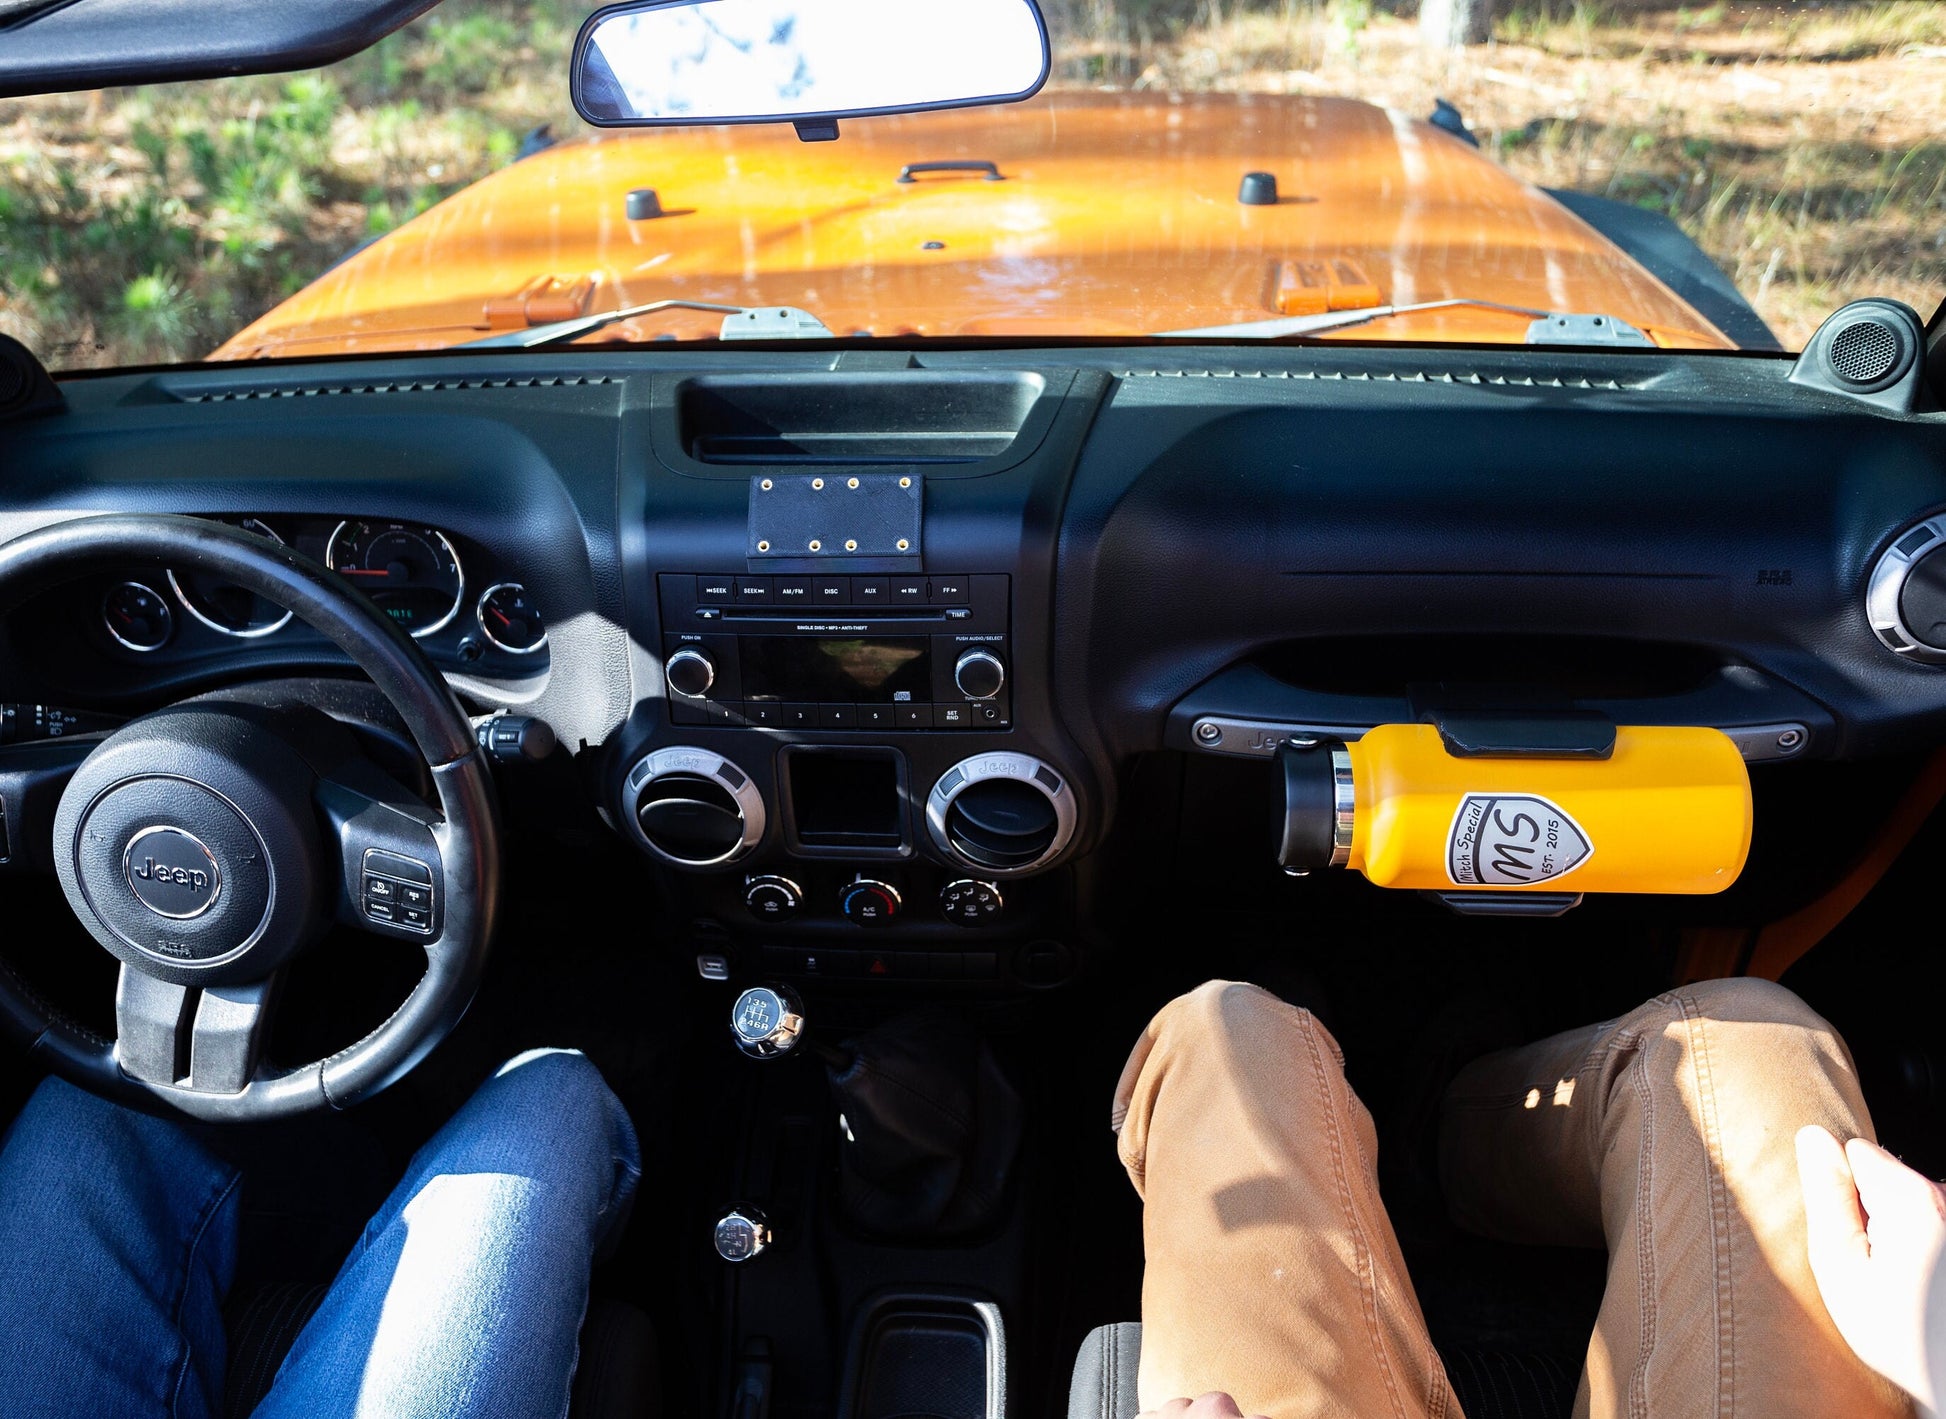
1628 173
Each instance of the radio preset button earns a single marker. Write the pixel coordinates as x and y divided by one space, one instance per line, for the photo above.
799 716
875 717
837 716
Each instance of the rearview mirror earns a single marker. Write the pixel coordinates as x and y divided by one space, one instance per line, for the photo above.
809 62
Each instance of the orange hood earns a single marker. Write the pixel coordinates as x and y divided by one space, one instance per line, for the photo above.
1117 215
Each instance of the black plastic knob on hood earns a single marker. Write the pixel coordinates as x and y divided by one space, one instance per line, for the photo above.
1306 831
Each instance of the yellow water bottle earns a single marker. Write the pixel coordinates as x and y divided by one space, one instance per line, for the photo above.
1655 809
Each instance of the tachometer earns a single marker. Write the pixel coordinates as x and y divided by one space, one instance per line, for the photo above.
230 609
509 620
412 572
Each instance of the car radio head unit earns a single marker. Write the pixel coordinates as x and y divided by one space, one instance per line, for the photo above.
867 653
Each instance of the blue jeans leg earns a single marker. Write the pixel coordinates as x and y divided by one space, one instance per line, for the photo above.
465 1295
118 1241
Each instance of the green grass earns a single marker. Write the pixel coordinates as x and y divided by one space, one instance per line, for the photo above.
148 224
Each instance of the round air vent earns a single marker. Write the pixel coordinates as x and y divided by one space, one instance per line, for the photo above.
1004 814
693 808
1905 597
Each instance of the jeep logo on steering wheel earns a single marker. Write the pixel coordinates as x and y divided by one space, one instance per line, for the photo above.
172 873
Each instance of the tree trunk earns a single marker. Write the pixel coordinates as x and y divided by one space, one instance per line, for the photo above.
1448 24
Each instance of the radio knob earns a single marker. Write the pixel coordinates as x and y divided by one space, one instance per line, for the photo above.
690 672
979 674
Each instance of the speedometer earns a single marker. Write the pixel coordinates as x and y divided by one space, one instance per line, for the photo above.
412 572
226 608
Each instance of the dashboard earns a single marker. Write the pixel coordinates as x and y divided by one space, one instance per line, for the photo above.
863 654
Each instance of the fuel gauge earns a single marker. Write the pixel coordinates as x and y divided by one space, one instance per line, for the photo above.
137 616
509 620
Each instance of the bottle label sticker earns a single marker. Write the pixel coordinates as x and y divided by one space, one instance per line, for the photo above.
1512 840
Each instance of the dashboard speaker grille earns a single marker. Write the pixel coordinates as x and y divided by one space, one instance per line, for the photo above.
1864 353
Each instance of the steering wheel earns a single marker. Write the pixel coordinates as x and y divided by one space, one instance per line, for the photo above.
206 844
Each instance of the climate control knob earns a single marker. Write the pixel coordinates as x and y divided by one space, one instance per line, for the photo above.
690 672
772 898
979 674
870 903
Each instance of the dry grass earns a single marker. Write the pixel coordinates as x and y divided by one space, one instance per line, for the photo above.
1802 144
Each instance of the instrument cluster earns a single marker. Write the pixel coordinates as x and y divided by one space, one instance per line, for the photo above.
457 604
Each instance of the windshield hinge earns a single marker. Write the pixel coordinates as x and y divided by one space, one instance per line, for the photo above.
774 322
1568 329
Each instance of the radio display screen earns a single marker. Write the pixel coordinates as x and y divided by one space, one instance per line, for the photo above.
829 670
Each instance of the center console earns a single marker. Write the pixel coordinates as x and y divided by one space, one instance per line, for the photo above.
845 758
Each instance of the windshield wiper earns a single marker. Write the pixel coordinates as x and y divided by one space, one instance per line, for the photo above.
740 322
1550 327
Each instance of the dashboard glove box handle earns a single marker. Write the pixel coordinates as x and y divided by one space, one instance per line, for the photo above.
819 516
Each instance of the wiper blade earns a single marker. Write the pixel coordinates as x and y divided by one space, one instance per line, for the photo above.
740 322
1550 327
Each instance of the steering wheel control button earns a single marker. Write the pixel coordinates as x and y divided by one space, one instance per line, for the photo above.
690 672
970 902
870 903
398 891
742 1235
772 898
767 1021
172 873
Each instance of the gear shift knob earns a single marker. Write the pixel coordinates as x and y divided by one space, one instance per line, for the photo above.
767 1021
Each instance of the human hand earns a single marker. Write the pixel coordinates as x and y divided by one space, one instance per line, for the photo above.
1214 1405
1877 1234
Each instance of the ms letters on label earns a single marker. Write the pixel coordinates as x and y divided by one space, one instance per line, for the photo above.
1512 840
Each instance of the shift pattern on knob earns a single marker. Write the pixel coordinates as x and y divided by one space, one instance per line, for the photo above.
767 1021
979 674
690 672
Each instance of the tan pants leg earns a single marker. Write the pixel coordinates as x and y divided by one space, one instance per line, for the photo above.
1273 1272
1667 1136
